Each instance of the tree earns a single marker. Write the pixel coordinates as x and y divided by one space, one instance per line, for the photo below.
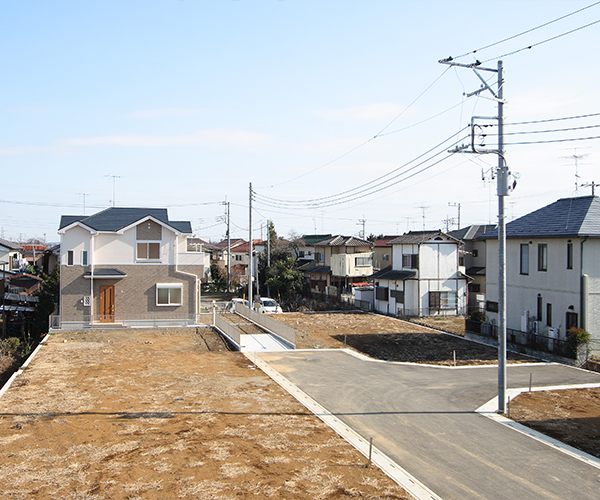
219 281
48 296
284 281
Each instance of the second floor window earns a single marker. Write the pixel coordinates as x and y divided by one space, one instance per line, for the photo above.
362 261
148 251
569 255
524 265
410 261
542 257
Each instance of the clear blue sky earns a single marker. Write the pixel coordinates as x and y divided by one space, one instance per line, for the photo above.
187 102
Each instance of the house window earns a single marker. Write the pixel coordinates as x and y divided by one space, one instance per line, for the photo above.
84 258
386 257
301 253
381 293
491 306
148 251
461 260
475 253
410 261
398 295
169 294
548 314
540 303
475 287
442 300
70 258
542 257
239 257
569 255
362 261
524 266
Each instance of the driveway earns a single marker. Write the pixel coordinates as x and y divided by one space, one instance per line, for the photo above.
423 418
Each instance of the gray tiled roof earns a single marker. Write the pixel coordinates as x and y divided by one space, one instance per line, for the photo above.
471 232
392 274
116 218
345 241
416 237
567 217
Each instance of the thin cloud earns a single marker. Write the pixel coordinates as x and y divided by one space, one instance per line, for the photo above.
217 138
162 112
371 112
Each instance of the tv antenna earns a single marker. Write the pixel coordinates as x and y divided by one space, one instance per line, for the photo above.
576 157
113 177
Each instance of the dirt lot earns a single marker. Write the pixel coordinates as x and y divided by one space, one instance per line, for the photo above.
148 414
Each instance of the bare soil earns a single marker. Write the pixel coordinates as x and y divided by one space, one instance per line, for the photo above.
152 414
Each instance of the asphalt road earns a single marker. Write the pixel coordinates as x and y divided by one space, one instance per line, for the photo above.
423 418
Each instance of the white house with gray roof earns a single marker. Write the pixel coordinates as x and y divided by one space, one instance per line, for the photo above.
552 271
129 266
424 279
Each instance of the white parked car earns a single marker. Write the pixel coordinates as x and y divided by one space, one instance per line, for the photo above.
268 305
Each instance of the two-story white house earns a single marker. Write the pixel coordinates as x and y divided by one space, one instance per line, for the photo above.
552 269
128 265
425 278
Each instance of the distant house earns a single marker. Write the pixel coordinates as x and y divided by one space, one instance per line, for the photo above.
128 265
11 257
472 261
339 262
552 270
382 253
425 279
304 251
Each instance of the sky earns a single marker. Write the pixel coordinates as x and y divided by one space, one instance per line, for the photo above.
321 106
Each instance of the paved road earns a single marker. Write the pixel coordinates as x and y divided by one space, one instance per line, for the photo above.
423 418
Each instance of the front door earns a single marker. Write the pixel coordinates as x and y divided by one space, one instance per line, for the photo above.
107 304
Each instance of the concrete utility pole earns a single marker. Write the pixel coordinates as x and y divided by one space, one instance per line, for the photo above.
458 206
228 245
503 190
250 264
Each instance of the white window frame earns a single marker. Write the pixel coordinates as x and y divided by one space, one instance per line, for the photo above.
84 258
169 286
147 243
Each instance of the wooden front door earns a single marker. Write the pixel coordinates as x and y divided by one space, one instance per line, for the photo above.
107 304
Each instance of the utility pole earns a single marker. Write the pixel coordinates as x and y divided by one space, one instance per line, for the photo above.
113 177
228 246
250 264
268 252
362 221
503 190
456 205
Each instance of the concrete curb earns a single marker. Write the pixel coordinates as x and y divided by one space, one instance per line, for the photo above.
489 410
412 485
9 382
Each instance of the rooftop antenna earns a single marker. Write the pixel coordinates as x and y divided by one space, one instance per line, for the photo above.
84 195
576 157
423 209
113 177
590 184
458 206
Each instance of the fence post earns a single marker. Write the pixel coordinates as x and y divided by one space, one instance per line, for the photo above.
214 312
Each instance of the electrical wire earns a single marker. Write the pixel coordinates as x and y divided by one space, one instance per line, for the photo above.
527 31
555 140
540 43
553 119
317 201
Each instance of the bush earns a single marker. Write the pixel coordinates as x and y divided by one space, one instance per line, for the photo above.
578 336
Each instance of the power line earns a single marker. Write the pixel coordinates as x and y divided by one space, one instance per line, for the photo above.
540 43
318 201
555 140
554 119
527 31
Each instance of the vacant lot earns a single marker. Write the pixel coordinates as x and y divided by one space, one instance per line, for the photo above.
152 414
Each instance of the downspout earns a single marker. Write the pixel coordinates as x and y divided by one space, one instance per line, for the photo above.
583 294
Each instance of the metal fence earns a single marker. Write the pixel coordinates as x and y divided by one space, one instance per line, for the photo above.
285 332
543 343
57 322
